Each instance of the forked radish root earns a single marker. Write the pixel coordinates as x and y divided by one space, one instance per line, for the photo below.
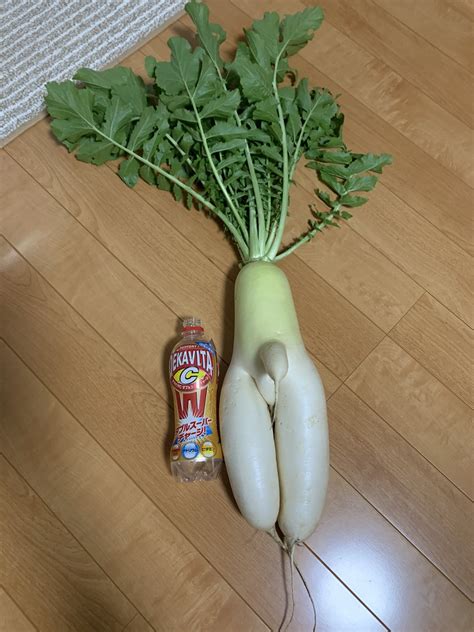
271 368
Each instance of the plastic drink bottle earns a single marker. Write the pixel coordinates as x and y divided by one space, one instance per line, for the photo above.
196 453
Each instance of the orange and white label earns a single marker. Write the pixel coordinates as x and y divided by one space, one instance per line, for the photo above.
193 378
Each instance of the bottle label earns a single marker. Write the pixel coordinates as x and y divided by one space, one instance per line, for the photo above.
193 377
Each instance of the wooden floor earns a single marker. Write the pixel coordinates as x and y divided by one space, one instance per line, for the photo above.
95 535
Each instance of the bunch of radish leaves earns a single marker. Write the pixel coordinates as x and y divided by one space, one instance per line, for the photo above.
225 137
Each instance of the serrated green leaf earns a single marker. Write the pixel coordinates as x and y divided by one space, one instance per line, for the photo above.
270 151
268 30
143 128
363 183
96 151
65 100
174 102
230 130
369 162
128 171
177 192
150 63
148 174
333 170
180 114
338 157
132 93
345 215
186 142
352 200
256 81
210 35
266 111
298 29
163 183
117 115
104 78
236 143
150 146
70 130
208 86
222 107
228 162
325 197
331 182
182 72
303 96
258 49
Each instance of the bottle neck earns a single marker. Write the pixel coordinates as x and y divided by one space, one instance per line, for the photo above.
191 333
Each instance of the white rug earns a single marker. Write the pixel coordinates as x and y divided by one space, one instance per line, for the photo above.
44 40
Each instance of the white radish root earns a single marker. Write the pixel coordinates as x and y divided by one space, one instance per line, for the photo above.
247 441
270 367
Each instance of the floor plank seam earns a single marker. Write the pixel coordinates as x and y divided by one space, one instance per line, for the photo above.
133 619
428 370
446 386
414 85
423 37
437 298
45 504
3 586
405 440
139 487
329 569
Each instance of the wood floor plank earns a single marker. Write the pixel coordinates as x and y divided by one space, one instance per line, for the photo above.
428 415
56 583
385 92
403 486
440 342
165 577
411 56
138 624
136 323
12 619
376 286
173 267
412 243
415 176
447 23
123 413
394 580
